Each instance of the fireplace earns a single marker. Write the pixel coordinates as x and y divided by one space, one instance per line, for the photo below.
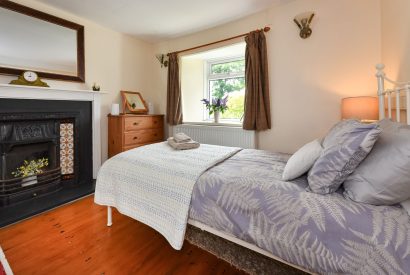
27 138
37 132
28 141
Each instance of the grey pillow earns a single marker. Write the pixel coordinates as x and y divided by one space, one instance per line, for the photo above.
345 146
383 178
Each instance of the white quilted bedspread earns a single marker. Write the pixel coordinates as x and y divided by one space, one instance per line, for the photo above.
153 184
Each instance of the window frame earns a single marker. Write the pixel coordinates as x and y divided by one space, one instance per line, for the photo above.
208 76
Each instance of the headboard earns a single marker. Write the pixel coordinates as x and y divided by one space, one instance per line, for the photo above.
396 98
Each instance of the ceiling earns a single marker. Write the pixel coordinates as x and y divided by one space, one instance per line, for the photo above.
157 20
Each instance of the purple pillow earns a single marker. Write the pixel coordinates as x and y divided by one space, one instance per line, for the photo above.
345 147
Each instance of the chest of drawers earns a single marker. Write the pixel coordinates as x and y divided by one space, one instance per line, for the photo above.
126 132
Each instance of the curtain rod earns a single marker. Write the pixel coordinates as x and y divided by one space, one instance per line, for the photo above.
265 29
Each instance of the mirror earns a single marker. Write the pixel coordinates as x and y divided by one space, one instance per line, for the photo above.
134 102
36 41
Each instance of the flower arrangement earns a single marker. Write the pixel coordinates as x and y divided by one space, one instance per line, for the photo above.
217 105
32 168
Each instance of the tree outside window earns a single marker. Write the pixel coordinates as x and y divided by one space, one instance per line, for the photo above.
227 78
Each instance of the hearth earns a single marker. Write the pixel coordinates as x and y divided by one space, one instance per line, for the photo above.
54 137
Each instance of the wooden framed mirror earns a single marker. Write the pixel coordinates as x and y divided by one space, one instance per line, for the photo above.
133 102
32 40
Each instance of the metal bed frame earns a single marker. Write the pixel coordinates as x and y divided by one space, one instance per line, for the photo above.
399 88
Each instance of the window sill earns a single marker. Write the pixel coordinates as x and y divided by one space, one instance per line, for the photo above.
213 124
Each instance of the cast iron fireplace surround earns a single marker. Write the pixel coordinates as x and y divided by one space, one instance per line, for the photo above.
26 137
31 128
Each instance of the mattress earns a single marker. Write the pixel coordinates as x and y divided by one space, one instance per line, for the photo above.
244 197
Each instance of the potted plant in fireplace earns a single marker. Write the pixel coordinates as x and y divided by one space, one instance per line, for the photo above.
29 171
216 106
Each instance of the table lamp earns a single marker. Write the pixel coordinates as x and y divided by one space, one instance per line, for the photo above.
363 108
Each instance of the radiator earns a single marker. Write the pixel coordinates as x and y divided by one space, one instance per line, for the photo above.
219 135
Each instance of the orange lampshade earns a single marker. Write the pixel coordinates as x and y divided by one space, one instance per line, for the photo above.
361 107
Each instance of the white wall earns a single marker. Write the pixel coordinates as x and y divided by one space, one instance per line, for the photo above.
192 87
309 77
396 38
113 60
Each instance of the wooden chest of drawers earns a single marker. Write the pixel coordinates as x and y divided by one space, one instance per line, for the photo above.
126 132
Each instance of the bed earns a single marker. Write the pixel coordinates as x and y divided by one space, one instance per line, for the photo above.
239 195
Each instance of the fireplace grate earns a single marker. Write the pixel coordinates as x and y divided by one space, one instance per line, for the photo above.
14 190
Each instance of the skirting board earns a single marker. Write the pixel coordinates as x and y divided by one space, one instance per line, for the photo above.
242 243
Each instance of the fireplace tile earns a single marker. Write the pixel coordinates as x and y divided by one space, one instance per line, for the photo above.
67 148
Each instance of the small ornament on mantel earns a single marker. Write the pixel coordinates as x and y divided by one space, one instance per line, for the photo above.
96 87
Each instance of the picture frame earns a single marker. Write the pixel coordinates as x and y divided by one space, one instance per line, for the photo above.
134 103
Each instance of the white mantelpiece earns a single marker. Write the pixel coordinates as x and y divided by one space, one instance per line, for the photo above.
30 92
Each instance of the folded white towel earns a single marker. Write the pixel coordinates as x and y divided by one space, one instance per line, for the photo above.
181 137
183 145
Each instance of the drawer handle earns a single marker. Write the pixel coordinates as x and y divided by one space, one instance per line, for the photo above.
155 135
135 123
135 137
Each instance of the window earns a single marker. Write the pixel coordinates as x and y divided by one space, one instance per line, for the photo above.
226 78
213 74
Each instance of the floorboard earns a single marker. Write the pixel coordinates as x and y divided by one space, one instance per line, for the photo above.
75 239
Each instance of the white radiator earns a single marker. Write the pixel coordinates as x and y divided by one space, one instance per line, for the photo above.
219 135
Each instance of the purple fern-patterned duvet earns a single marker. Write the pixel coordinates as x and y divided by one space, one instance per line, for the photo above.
244 197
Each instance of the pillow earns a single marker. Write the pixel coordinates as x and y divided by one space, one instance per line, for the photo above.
338 129
300 162
384 176
406 206
346 145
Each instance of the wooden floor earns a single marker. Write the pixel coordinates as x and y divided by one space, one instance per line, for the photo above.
74 239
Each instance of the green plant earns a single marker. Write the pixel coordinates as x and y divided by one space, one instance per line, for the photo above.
31 168
235 106
222 87
226 85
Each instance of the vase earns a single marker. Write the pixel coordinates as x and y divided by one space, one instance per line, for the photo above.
30 180
216 116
